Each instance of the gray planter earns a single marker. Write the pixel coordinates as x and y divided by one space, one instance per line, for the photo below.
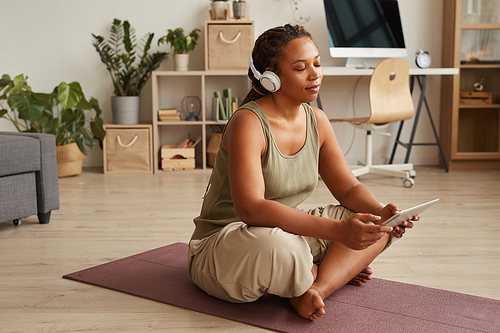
126 109
239 9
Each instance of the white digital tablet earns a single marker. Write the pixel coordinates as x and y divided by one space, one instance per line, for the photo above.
408 214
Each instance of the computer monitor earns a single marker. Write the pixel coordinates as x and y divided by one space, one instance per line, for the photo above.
360 29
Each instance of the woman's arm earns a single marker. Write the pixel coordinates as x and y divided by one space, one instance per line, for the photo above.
341 182
336 173
244 141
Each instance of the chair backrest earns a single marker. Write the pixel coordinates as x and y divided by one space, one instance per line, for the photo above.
390 97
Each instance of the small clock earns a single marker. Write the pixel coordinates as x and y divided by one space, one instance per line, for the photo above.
422 59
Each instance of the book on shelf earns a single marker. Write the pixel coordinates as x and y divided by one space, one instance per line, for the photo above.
223 105
187 142
228 94
222 110
169 115
168 112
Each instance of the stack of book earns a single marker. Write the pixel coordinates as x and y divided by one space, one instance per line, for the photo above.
169 115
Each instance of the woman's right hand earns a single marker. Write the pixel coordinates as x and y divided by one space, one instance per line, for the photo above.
356 234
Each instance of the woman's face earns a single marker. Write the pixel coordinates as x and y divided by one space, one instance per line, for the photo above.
300 71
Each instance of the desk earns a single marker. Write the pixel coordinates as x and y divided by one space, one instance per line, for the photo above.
415 73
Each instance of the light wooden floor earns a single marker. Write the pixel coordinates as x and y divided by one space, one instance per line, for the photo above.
455 246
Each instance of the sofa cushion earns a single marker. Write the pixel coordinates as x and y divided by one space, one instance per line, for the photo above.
19 154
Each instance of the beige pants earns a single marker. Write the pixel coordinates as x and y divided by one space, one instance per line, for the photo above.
240 263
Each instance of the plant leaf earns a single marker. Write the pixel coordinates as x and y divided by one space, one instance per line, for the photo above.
29 107
69 95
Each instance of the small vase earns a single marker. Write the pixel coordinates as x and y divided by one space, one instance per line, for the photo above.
69 160
181 62
126 109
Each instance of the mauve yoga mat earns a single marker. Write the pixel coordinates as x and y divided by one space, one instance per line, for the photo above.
378 306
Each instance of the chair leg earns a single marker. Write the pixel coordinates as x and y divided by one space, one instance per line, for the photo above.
44 218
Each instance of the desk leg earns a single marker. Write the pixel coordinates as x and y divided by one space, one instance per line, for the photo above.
417 115
422 100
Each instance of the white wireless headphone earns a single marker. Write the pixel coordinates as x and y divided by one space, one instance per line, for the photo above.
269 80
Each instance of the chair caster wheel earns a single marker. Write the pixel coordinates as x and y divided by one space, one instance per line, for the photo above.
408 182
16 222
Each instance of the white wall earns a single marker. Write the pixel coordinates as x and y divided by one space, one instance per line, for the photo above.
50 41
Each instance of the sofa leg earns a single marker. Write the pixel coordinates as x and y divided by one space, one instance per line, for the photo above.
44 218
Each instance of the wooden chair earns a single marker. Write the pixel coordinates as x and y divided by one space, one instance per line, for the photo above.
390 101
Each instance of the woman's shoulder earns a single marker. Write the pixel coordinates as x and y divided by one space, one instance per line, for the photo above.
320 115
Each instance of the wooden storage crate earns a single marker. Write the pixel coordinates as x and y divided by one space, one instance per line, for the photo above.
177 158
475 97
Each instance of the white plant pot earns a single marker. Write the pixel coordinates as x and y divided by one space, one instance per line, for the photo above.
181 62
126 109
220 8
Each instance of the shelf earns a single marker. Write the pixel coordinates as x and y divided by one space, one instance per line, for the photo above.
179 123
229 72
480 26
168 90
479 106
479 66
470 133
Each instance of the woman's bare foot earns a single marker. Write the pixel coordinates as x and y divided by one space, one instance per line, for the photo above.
309 305
363 277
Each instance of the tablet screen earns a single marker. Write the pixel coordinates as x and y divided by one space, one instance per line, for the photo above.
407 214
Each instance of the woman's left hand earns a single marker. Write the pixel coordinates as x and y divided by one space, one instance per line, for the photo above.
390 210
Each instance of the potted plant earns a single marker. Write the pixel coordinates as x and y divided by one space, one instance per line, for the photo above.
219 9
65 113
239 9
130 66
181 44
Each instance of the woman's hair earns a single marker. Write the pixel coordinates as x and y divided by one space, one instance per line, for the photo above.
268 51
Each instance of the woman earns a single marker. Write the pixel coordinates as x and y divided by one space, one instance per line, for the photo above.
249 238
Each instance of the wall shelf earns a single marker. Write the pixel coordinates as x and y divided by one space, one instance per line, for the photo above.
470 133
168 90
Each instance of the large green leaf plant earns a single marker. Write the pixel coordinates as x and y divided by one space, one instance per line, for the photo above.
65 112
129 71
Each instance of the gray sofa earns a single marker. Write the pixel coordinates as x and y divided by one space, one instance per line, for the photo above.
28 176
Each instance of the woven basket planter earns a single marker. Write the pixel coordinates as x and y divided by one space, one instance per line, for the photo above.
69 160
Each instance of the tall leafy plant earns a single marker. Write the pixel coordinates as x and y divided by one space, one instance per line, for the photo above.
129 69
65 112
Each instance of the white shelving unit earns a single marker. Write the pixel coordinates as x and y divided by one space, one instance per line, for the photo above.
168 90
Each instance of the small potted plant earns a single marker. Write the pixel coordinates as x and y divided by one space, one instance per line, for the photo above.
219 9
65 113
239 9
130 66
181 44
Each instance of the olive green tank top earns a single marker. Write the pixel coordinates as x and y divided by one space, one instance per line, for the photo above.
288 179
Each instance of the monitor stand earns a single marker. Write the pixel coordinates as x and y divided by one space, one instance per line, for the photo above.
356 63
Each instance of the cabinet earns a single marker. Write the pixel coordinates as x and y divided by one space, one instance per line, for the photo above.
169 89
470 134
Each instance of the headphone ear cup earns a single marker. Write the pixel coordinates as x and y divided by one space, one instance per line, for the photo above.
270 81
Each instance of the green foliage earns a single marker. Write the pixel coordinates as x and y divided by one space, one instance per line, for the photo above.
129 70
61 113
179 41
